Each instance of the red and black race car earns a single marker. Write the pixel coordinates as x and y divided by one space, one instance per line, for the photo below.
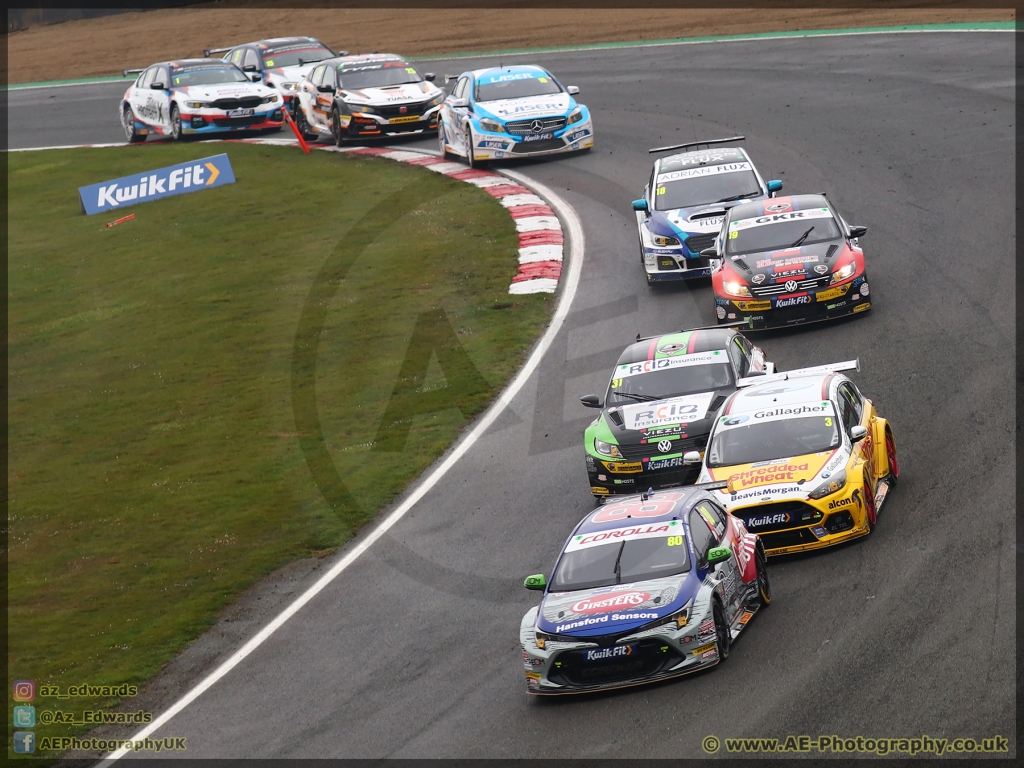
788 260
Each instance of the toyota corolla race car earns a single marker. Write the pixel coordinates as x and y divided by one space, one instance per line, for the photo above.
786 261
197 96
661 403
282 62
650 587
379 94
512 112
684 204
806 458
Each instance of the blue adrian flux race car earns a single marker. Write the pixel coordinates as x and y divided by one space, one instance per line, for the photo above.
647 587
512 112
685 202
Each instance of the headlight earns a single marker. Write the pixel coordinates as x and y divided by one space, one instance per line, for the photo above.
845 272
270 99
492 125
680 618
834 484
290 86
364 108
575 116
607 449
665 242
439 99
735 289
197 104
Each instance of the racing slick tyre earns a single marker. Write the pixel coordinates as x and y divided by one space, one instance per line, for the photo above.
303 126
445 154
764 587
336 127
723 637
175 123
130 132
890 452
469 150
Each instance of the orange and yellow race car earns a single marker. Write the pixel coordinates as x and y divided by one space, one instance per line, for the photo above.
805 459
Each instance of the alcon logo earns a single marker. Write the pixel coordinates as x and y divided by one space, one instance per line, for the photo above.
839 503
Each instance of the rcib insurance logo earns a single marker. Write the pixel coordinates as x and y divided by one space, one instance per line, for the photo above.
24 690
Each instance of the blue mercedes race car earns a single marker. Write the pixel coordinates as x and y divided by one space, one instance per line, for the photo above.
647 587
685 202
512 112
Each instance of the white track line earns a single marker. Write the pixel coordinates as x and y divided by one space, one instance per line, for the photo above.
569 286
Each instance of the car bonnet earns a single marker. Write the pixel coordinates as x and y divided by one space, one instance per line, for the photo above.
545 105
394 94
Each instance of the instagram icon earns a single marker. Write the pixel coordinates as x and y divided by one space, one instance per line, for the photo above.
24 690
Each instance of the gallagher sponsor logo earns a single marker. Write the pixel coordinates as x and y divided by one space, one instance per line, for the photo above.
793 301
610 602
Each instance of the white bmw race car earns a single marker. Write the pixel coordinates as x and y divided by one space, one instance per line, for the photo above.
197 96
373 95
282 62
512 112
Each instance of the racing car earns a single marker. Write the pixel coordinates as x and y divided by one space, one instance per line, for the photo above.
661 402
684 204
512 112
650 587
806 460
366 96
196 96
282 62
786 261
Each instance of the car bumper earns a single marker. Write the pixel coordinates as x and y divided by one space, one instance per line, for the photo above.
605 482
498 146
664 265
762 314
218 122
368 125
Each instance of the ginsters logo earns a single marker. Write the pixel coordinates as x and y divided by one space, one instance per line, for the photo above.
609 602
776 473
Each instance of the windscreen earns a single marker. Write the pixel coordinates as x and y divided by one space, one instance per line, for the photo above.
296 56
515 86
701 186
377 75
621 563
668 382
752 440
774 232
212 76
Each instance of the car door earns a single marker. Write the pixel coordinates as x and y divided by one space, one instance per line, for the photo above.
314 115
457 115
140 91
740 357
325 101
854 413
728 572
162 96
251 62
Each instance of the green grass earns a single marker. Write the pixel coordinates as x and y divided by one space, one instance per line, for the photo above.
196 395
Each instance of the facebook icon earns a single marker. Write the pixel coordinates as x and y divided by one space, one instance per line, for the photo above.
24 742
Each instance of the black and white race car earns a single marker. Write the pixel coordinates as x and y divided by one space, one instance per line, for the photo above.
282 62
354 97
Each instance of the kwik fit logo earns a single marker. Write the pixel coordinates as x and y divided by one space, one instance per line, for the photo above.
180 179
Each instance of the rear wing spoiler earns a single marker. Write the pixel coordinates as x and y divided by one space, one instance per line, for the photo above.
208 51
695 144
849 365
737 324
126 72
718 485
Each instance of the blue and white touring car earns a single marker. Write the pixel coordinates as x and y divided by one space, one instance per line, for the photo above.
512 112
684 204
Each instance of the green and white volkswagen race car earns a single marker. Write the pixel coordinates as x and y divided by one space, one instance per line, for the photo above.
661 403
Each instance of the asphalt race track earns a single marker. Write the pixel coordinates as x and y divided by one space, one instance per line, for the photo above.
414 652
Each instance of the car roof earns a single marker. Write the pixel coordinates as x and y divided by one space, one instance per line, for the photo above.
273 42
193 62
367 58
703 340
522 69
604 518
699 157
793 391
762 207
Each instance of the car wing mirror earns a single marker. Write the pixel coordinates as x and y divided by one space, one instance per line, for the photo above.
429 76
256 77
691 457
157 86
856 232
325 88
718 555
591 401
537 581
710 253
249 68
640 205
858 433
774 186
572 90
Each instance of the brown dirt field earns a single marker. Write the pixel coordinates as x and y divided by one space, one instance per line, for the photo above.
103 46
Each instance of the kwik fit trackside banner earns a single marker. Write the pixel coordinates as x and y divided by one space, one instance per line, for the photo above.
173 180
